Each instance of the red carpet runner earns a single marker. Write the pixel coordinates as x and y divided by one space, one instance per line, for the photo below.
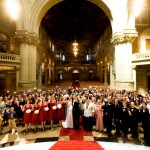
76 84
76 145
75 134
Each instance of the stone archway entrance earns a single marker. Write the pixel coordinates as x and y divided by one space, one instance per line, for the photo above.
75 76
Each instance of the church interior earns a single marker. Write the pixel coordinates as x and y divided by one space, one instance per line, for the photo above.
73 43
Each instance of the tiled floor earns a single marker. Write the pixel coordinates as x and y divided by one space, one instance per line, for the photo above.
46 139
8 139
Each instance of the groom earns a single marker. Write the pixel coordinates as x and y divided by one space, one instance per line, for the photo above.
76 112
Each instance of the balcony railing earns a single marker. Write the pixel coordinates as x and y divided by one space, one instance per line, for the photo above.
141 56
6 57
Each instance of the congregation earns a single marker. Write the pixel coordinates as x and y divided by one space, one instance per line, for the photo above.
124 111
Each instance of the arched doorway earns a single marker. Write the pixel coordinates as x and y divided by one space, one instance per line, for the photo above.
75 76
60 76
91 75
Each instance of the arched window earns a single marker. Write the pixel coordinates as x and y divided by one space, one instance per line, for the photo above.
3 43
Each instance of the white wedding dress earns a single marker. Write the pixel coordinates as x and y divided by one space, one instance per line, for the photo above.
68 123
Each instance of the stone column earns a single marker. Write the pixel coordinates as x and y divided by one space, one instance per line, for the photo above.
45 72
123 55
32 63
105 74
134 76
24 62
111 76
17 76
28 42
101 72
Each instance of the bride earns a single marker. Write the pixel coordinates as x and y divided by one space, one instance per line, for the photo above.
68 123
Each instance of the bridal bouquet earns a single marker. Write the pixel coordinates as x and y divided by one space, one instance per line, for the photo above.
28 111
59 106
46 108
36 111
54 107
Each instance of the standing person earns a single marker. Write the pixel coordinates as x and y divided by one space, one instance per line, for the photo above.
12 119
68 123
35 115
117 119
145 123
108 115
27 109
52 111
60 111
88 116
43 116
124 120
133 119
76 113
99 116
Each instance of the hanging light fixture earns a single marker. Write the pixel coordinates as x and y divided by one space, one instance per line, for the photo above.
75 48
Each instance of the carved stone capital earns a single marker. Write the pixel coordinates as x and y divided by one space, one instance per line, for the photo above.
17 68
127 35
24 36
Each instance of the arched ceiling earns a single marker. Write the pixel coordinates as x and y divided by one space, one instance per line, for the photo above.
72 20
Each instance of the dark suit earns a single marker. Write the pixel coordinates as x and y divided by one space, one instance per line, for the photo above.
76 114
145 119
108 116
133 119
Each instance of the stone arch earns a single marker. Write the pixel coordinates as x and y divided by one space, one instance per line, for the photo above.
40 7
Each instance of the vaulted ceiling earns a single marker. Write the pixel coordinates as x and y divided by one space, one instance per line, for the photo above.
72 20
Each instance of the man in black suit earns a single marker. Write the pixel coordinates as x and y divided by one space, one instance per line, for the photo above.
108 110
76 112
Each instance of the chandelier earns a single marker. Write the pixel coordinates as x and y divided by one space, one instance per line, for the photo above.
75 48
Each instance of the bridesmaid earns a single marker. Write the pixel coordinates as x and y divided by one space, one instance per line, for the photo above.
61 110
35 116
99 116
43 116
52 111
27 109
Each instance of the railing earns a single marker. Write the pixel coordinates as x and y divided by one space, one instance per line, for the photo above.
141 56
9 57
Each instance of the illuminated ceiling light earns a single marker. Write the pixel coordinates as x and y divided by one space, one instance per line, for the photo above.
75 44
137 7
13 8
75 54
75 49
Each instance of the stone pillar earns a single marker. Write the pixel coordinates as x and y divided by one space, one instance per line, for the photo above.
134 76
17 77
28 42
101 72
24 62
45 72
123 55
39 82
105 74
111 76
32 63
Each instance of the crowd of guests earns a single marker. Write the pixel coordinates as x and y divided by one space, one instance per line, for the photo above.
122 111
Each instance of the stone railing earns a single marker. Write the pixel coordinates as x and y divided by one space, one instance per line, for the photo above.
6 57
141 56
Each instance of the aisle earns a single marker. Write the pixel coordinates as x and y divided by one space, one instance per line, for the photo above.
74 134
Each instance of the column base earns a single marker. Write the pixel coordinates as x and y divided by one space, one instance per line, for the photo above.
26 85
124 84
105 83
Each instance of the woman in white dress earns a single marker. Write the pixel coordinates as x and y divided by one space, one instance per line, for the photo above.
69 116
